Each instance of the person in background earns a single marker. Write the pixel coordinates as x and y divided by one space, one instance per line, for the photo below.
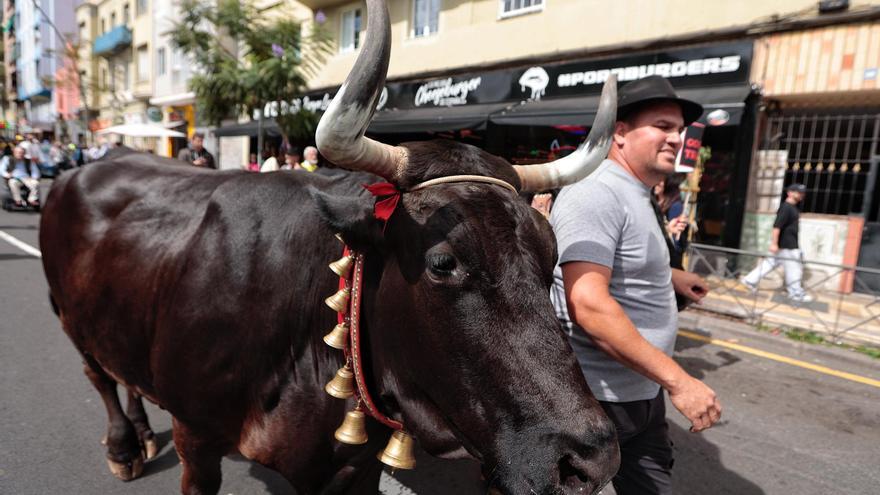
310 163
196 154
614 291
291 158
784 248
252 165
18 170
670 209
270 163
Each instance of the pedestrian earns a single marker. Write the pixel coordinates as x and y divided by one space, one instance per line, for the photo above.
291 158
614 291
784 248
19 170
670 209
196 154
270 163
310 163
253 165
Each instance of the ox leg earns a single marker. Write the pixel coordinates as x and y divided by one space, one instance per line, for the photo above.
123 448
135 412
200 454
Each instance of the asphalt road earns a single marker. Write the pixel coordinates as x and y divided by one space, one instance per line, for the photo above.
785 430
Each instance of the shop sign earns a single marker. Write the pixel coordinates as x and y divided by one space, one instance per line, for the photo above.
720 64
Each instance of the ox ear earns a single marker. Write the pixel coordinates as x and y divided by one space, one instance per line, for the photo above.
352 217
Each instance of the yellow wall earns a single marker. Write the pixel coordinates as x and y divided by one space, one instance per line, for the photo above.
471 32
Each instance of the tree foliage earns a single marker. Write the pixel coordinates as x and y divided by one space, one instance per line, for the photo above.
245 58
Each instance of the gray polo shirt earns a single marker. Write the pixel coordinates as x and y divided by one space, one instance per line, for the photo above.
607 219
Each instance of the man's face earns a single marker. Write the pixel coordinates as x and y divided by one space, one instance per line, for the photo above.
197 142
796 196
18 153
312 155
291 159
652 138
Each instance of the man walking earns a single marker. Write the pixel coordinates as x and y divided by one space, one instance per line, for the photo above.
196 153
614 290
784 248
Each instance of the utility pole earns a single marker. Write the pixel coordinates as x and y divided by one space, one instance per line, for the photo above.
74 57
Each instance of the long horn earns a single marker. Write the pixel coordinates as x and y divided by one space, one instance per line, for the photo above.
340 134
586 158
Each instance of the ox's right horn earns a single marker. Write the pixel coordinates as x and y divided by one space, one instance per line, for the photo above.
340 135
585 159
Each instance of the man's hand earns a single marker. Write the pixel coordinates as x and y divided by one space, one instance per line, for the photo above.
690 285
774 248
697 402
543 203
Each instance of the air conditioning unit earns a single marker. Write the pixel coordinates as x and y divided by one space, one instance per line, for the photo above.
826 6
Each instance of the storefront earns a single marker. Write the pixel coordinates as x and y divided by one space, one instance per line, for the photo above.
536 113
821 128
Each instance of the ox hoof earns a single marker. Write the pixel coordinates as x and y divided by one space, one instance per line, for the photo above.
127 471
151 448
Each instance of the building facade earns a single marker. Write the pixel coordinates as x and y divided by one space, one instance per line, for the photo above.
520 78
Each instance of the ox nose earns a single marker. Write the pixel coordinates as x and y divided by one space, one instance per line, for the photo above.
587 469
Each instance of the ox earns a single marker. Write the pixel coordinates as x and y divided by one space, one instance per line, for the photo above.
202 291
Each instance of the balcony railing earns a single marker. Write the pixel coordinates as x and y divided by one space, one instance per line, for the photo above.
112 41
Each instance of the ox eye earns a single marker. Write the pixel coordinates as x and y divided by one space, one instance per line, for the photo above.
441 264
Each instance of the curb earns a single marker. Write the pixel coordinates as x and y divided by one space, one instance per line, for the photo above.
705 323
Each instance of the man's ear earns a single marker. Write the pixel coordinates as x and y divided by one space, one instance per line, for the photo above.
620 130
352 217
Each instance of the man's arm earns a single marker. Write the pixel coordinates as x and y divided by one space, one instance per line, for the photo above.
592 307
774 240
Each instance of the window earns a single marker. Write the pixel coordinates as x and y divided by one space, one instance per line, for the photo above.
517 7
141 7
426 14
126 75
351 31
103 25
143 63
113 20
160 61
126 14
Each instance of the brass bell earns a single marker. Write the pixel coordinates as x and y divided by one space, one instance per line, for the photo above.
342 266
339 302
337 337
342 385
353 430
399 452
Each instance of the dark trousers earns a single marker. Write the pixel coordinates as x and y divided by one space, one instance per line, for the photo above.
645 448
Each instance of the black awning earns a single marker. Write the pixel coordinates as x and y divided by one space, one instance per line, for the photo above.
581 110
434 119
270 128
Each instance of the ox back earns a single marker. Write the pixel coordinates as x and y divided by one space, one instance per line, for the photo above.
202 290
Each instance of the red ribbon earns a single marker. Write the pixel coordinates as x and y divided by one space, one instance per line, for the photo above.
384 208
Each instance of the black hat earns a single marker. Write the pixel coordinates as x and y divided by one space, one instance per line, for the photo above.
291 150
797 188
633 95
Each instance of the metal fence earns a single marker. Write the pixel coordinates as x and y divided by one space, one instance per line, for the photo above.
844 307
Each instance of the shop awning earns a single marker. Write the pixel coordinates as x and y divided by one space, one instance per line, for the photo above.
581 110
270 128
434 119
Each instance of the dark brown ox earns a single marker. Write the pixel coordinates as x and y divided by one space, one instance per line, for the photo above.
203 290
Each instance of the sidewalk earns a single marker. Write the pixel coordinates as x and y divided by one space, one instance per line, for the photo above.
849 318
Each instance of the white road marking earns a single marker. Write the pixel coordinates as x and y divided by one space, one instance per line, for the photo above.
390 486
21 245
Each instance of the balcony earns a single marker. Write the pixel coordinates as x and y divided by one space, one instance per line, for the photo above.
112 42
322 4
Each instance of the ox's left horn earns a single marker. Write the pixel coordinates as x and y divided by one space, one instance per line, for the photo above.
586 158
340 135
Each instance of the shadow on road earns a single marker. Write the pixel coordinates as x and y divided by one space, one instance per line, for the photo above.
18 227
167 458
699 470
8 257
